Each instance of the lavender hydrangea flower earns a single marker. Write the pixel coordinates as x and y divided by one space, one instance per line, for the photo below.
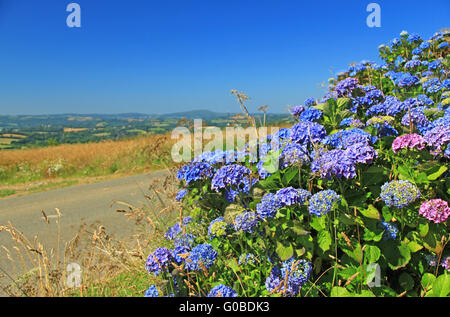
222 291
228 176
436 210
151 292
291 196
293 154
359 153
346 86
411 141
201 257
306 133
345 138
334 163
437 137
297 110
268 206
322 202
399 193
247 221
446 262
158 261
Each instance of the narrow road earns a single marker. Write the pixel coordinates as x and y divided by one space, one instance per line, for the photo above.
83 204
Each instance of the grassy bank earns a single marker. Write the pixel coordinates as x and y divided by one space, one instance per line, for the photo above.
32 170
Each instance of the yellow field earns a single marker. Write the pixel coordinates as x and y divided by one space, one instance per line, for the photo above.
74 129
81 155
6 140
9 135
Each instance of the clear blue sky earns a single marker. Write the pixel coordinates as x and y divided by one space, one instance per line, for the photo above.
165 56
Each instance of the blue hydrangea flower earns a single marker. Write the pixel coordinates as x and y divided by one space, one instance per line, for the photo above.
289 280
177 229
351 122
151 292
217 228
181 194
443 45
195 171
177 251
345 138
186 239
399 193
412 64
222 291
424 45
230 176
293 154
408 81
201 257
418 118
334 163
297 272
322 202
268 206
310 114
310 102
291 196
390 232
307 132
158 261
247 221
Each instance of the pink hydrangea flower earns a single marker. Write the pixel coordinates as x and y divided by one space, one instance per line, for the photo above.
436 210
408 140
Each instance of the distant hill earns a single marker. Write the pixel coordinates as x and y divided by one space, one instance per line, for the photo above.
87 120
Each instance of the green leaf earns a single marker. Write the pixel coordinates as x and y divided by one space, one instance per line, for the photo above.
318 223
299 229
340 292
285 252
397 256
406 281
427 281
436 175
372 253
289 175
371 212
423 229
441 287
324 240
341 102
271 162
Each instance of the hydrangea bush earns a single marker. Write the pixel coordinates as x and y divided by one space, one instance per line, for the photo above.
358 205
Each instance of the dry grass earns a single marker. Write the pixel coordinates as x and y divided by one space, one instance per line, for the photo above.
84 154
